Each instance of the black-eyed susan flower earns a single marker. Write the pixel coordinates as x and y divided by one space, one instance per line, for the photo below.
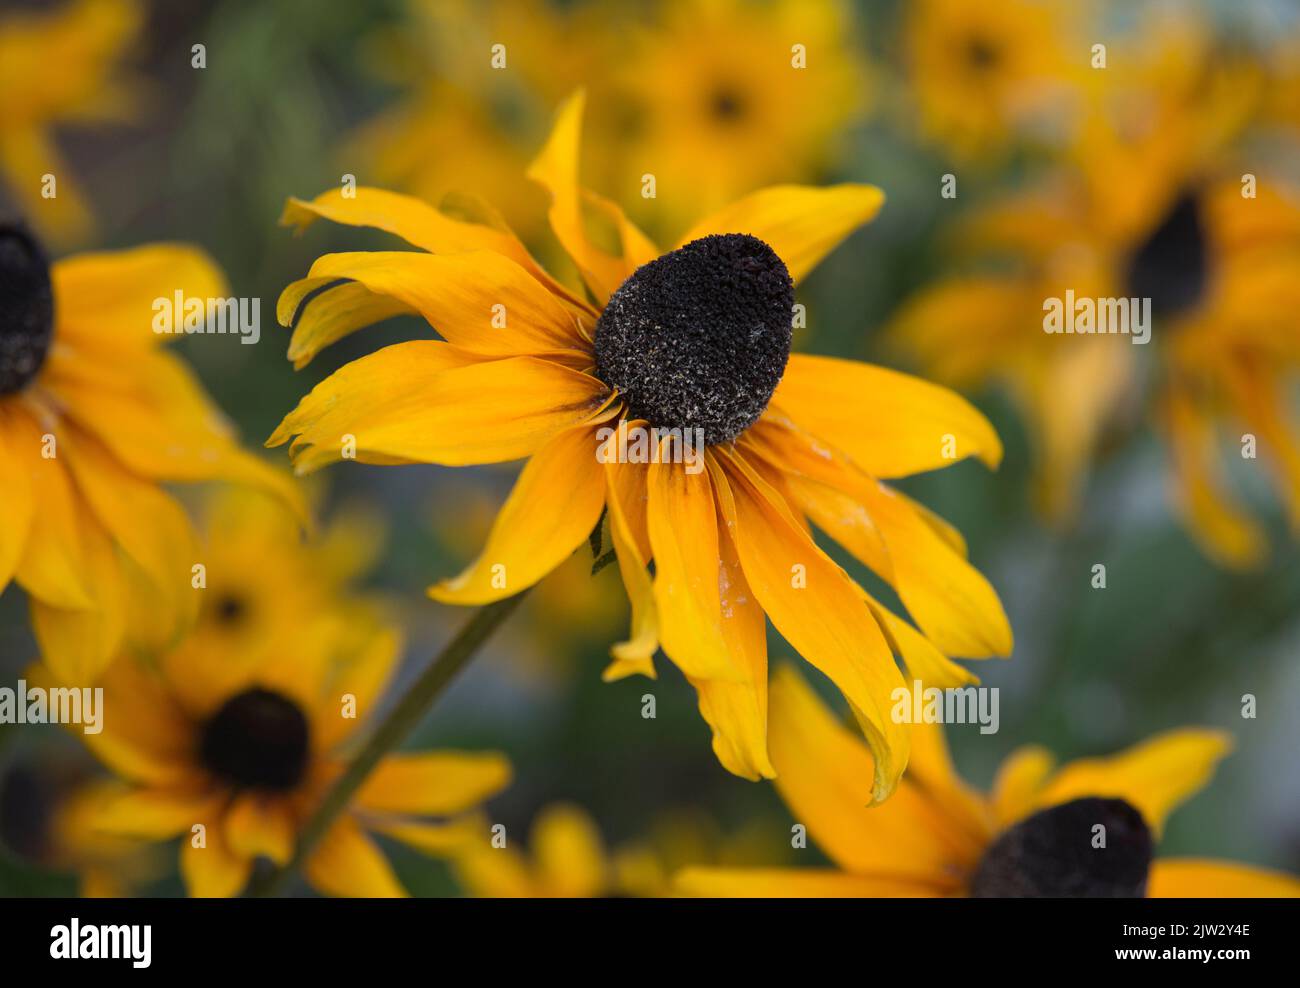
1088 828
695 339
232 757
984 75
86 40
94 415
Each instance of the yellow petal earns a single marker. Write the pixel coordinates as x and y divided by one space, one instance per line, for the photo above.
437 839
1197 878
1155 776
625 499
797 883
737 711
824 775
1019 780
569 852
17 506
435 784
348 863
215 870
414 221
816 607
429 402
156 814
556 169
889 424
321 311
256 826
683 529
552 509
459 294
801 223
105 300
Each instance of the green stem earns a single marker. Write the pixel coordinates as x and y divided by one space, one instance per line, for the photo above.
394 728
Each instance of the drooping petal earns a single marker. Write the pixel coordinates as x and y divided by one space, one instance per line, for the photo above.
682 525
552 509
626 504
321 311
889 424
824 775
434 784
1155 776
816 607
1198 878
801 223
429 402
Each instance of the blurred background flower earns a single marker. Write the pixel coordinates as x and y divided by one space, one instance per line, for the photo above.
1062 174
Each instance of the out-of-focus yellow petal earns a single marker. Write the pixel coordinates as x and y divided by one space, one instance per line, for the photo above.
1198 878
348 863
552 509
889 424
1019 780
259 827
105 300
434 783
824 774
569 852
802 223
684 536
798 883
215 870
17 506
156 814
816 607
429 402
1155 776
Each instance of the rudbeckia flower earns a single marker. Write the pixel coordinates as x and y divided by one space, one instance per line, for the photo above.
94 415
233 757
86 40
1034 835
697 339
984 75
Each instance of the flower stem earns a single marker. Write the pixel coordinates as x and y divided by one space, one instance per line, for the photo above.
392 730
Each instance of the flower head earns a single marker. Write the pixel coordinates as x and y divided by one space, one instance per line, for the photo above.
1087 828
696 337
95 414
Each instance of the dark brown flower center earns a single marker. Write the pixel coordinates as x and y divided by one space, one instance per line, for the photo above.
26 308
1088 848
699 338
257 740
1172 266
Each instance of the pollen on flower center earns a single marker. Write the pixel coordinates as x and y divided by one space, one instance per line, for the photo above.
1087 848
257 740
26 308
699 337
1171 267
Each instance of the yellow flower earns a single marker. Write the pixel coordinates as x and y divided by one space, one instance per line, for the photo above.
85 40
94 415
232 757
1149 205
1033 835
985 74
727 96
525 369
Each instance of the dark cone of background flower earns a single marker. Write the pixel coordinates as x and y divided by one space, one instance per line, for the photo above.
699 337
257 740
1051 854
1172 267
26 308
